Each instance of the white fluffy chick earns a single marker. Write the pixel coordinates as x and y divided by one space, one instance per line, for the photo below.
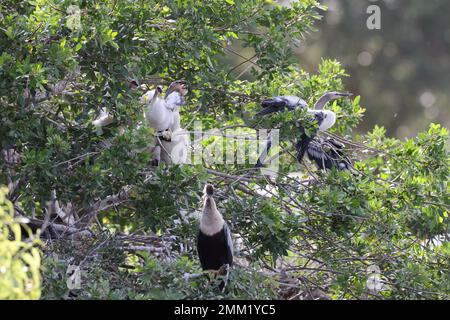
158 116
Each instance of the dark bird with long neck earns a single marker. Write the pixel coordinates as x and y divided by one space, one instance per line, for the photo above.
325 119
214 243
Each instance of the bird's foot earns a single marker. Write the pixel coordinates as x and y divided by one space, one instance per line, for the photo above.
224 269
211 271
258 165
166 135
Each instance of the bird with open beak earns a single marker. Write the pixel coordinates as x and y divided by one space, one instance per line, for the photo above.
214 243
175 100
162 114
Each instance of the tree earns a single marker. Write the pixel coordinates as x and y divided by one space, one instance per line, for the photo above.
98 199
20 260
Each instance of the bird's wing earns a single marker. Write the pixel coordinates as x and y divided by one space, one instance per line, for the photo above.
280 103
147 97
174 100
294 102
229 243
317 154
327 154
336 154
277 102
268 110
200 250
302 144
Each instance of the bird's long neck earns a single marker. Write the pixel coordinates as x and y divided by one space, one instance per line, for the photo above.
156 102
211 221
322 102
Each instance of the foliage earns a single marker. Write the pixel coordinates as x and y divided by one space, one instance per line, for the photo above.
145 277
20 259
294 234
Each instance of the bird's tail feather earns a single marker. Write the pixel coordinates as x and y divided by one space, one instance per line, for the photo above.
267 110
302 146
264 154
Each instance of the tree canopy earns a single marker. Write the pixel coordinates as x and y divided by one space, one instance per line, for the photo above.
131 227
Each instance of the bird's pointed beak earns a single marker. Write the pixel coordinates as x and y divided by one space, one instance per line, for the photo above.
184 89
208 193
209 190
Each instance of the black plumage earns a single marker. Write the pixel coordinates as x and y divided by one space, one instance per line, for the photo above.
327 154
214 251
214 243
279 104
264 154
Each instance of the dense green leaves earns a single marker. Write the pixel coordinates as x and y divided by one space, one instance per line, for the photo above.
20 259
295 233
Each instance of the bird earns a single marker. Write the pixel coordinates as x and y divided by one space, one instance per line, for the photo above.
327 154
325 119
281 103
214 242
157 114
163 115
175 151
175 100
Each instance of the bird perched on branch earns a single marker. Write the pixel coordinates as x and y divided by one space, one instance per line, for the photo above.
157 114
214 243
325 119
163 115
279 104
327 154
175 100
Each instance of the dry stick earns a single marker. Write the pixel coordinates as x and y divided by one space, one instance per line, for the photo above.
351 143
228 176
59 228
109 201
77 158
147 243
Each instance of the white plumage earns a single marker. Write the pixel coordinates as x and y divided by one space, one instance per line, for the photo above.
163 115
175 151
157 114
